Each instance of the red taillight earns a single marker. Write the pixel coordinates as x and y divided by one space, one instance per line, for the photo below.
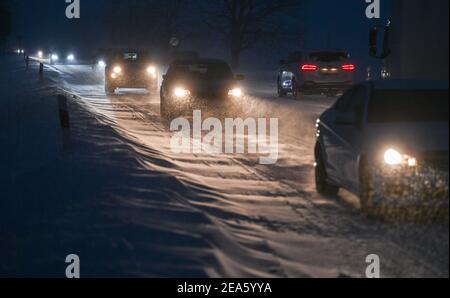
348 67
309 67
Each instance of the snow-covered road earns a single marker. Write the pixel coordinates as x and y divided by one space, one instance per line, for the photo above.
228 215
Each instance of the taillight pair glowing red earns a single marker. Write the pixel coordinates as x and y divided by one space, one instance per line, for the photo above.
313 67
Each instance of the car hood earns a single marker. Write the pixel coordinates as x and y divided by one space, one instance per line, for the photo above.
205 87
410 138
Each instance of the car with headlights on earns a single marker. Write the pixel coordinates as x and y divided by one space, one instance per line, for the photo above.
316 72
199 83
130 69
61 56
388 143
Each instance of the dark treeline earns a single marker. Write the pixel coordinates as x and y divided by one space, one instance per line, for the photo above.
235 25
219 28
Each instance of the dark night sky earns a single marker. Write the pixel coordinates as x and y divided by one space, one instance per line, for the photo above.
325 23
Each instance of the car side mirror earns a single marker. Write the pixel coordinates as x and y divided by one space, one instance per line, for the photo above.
240 77
348 118
385 50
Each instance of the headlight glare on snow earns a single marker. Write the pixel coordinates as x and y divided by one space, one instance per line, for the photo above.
181 92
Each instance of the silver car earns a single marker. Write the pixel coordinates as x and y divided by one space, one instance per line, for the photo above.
329 72
387 142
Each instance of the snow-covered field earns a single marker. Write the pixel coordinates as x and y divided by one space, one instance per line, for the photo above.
115 194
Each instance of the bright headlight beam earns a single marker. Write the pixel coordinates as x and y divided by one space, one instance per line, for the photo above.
236 92
55 57
393 157
117 69
101 63
151 70
70 57
412 162
181 92
40 54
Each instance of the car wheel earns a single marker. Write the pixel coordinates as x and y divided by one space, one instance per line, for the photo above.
366 188
294 89
322 185
280 90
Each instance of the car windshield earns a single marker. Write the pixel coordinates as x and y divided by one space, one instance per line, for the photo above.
328 56
203 70
387 106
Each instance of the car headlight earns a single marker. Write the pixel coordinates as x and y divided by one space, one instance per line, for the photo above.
235 92
151 70
117 69
181 92
70 57
101 63
55 57
394 158
40 54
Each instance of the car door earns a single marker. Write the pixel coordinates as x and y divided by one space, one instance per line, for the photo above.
349 130
333 143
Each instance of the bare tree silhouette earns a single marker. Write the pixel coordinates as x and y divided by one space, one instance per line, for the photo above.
245 23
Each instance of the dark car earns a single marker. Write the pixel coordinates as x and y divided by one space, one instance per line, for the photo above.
189 82
386 141
131 69
329 72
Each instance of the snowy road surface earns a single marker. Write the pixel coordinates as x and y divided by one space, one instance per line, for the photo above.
137 209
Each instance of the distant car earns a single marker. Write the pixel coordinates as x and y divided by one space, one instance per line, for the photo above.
384 140
193 80
61 56
101 57
130 70
328 72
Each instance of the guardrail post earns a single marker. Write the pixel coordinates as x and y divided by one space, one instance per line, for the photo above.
64 120
41 69
63 111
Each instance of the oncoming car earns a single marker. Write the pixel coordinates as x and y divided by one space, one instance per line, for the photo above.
330 72
61 56
130 70
192 82
387 142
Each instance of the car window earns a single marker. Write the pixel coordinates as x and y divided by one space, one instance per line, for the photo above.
353 101
343 104
328 56
392 106
358 101
202 70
